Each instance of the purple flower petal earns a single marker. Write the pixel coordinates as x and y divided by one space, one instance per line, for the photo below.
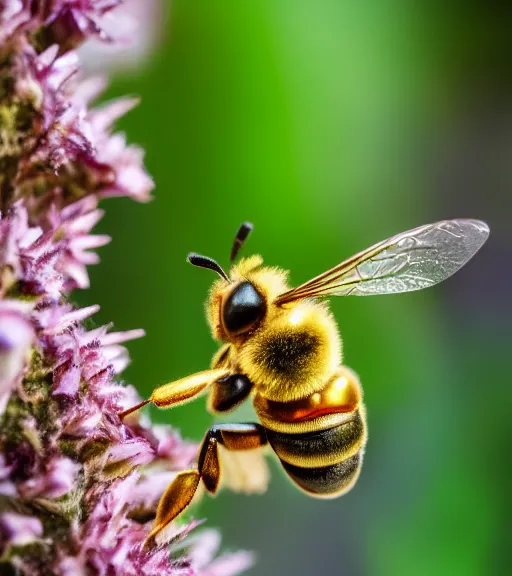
58 479
202 553
66 378
104 117
61 477
229 564
16 337
136 451
118 337
64 453
71 318
19 530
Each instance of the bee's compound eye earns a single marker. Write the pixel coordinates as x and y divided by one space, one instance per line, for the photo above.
243 308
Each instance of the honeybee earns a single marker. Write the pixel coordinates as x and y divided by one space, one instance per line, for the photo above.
281 346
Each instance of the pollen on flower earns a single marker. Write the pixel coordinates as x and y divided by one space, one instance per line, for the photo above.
78 488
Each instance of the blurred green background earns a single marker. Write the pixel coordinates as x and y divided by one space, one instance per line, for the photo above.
332 125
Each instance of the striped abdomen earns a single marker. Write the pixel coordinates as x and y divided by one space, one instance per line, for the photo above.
321 450
324 463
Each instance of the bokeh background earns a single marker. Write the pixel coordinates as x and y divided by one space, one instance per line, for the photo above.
332 125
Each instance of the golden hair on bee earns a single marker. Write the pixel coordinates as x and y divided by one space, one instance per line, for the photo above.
293 352
281 347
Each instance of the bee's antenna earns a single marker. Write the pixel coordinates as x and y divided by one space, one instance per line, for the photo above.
205 262
241 236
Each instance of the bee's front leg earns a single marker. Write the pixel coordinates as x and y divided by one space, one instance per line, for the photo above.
180 391
180 492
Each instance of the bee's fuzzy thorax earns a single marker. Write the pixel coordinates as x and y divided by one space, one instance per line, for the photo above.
294 351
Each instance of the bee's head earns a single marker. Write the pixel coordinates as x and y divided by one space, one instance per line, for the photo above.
238 303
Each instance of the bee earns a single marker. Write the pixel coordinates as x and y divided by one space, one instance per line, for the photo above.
281 347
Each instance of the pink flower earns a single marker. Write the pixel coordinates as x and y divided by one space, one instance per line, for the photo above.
89 483
203 559
16 337
13 13
18 530
67 23
112 543
135 28
130 179
7 488
135 451
68 150
51 262
58 479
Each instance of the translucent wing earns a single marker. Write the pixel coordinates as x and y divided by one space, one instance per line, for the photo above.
245 471
412 260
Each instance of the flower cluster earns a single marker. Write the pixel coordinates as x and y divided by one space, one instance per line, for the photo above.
78 488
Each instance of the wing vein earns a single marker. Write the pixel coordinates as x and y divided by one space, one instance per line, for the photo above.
387 267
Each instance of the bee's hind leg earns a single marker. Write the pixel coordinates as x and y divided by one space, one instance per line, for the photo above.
180 492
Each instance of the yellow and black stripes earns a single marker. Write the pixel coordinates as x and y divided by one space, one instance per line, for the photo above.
319 448
326 481
324 463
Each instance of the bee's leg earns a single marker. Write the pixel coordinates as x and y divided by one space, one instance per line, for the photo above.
179 391
229 392
180 492
221 357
